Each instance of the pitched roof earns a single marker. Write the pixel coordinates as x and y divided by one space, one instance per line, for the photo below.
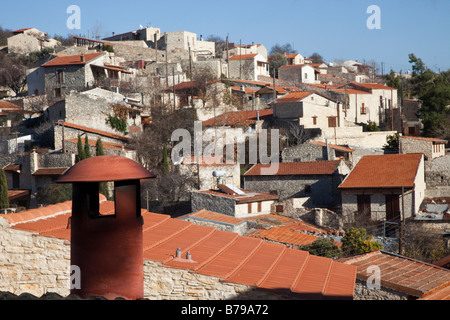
298 168
238 117
333 146
106 145
374 86
294 66
243 56
402 274
424 139
384 171
246 197
214 216
72 60
50 171
17 194
95 131
293 97
226 255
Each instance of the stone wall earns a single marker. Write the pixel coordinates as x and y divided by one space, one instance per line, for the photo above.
416 146
33 264
323 188
362 292
242 69
307 152
212 203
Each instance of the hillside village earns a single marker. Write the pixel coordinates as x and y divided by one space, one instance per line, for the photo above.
354 159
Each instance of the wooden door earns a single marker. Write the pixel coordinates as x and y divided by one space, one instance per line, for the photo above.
364 205
392 207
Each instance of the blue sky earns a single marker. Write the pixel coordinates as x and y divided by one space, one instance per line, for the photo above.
335 29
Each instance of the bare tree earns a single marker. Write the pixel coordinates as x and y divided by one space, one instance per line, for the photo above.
13 74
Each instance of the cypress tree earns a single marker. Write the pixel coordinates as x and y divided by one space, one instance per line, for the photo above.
99 148
4 201
166 165
87 148
81 155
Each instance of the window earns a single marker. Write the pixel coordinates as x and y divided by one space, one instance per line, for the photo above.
332 122
249 208
60 76
363 108
315 121
259 206
308 189
306 76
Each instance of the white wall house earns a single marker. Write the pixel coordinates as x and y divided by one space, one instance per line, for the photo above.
312 110
303 73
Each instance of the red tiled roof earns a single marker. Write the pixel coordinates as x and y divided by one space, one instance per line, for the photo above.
248 197
95 131
238 117
21 30
293 97
50 172
349 91
12 167
424 139
374 86
7 107
403 274
298 168
243 57
384 171
284 235
246 90
333 146
16 194
72 60
226 255
214 216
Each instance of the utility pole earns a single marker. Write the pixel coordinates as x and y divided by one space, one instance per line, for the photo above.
228 57
402 224
240 59
173 85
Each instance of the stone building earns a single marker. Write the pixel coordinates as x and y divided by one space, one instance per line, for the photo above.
248 67
28 173
317 181
317 151
402 278
233 201
301 73
379 186
78 73
431 148
312 110
26 41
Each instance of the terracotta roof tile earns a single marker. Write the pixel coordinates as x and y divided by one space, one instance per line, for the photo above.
50 172
16 194
333 146
106 145
284 235
424 139
384 171
238 118
72 60
294 97
226 255
246 198
374 86
243 57
298 168
214 216
95 131
403 274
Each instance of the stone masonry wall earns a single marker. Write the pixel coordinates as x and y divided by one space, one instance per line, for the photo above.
32 264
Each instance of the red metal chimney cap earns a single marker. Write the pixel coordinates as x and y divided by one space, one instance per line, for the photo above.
105 169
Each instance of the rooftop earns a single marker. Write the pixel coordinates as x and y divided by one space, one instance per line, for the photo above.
298 168
226 255
243 57
293 97
239 195
72 60
238 118
333 146
384 171
94 131
403 274
425 139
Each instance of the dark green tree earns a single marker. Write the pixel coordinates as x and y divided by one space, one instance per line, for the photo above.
357 241
99 151
81 155
87 148
165 162
323 248
4 201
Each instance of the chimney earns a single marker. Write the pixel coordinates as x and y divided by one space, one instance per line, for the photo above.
107 248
